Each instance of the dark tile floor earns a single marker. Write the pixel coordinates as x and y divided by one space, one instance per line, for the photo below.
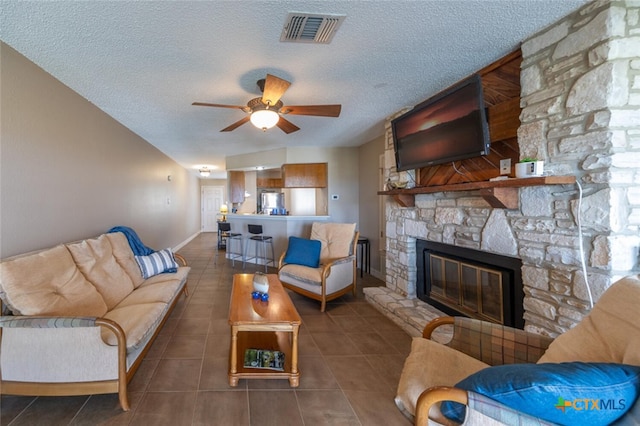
350 363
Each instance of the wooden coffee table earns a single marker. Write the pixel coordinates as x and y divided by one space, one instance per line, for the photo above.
271 325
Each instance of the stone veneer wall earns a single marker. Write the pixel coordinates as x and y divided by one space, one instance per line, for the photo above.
581 114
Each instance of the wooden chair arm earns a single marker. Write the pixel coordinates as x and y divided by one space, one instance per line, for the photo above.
281 260
77 322
434 395
491 343
181 259
474 402
122 359
435 323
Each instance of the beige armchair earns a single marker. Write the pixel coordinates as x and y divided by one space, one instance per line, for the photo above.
609 334
336 273
475 345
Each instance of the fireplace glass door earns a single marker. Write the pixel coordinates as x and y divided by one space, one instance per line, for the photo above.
474 283
472 289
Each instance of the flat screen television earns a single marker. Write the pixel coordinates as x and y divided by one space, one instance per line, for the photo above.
447 127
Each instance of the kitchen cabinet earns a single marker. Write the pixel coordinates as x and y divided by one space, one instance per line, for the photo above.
262 182
304 175
236 187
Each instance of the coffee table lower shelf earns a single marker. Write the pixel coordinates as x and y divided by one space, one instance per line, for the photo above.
282 341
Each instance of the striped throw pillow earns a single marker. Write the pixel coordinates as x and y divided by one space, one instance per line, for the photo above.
157 263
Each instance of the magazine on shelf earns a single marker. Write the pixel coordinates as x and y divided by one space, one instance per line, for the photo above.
264 358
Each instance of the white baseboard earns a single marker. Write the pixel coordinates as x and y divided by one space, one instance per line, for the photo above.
185 242
376 273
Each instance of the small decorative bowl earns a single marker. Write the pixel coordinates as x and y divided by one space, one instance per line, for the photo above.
397 185
261 283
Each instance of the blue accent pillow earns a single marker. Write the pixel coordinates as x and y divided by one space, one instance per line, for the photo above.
564 393
157 263
304 252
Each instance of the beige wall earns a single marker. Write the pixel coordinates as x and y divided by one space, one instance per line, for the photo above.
215 182
69 171
269 159
369 199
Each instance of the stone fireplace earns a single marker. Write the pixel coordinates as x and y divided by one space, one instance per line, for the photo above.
580 94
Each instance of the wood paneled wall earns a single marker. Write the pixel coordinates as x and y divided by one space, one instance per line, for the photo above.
501 86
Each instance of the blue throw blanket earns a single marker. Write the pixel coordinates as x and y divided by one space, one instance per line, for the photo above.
138 248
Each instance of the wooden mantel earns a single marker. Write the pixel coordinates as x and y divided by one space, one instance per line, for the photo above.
500 194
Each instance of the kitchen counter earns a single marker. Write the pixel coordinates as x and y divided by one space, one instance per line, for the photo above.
271 217
280 227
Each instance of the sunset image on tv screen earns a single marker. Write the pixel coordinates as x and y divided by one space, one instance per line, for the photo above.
443 129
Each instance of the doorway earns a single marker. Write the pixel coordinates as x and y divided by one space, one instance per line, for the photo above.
211 198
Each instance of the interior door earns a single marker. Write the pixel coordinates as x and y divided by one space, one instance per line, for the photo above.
211 198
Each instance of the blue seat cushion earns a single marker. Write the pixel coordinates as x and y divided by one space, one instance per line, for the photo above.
564 393
302 251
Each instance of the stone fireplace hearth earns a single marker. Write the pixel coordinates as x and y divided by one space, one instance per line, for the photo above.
580 93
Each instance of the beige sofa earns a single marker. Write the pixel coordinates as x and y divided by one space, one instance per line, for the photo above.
78 318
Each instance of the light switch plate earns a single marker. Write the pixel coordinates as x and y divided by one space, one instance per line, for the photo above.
505 166
335 197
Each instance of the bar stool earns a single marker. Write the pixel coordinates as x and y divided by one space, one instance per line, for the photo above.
365 255
225 240
261 241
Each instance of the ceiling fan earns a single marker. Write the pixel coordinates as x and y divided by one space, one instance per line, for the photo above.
267 111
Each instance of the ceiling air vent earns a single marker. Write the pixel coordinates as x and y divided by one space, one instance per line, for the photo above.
310 28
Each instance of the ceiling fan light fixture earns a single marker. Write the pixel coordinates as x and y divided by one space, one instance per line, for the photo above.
264 118
267 110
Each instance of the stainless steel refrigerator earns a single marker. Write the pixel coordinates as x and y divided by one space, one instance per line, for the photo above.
272 203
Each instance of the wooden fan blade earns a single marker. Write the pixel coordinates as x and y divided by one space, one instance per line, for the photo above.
287 126
236 124
244 108
274 88
319 110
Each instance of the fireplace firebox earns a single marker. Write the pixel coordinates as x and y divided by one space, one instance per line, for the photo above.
477 284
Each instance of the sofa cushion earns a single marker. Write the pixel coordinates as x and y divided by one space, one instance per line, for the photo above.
96 261
180 275
631 417
302 273
421 372
48 283
158 292
564 393
605 334
137 321
302 251
125 257
156 263
336 239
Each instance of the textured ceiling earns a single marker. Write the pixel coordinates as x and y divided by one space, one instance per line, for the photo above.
144 63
